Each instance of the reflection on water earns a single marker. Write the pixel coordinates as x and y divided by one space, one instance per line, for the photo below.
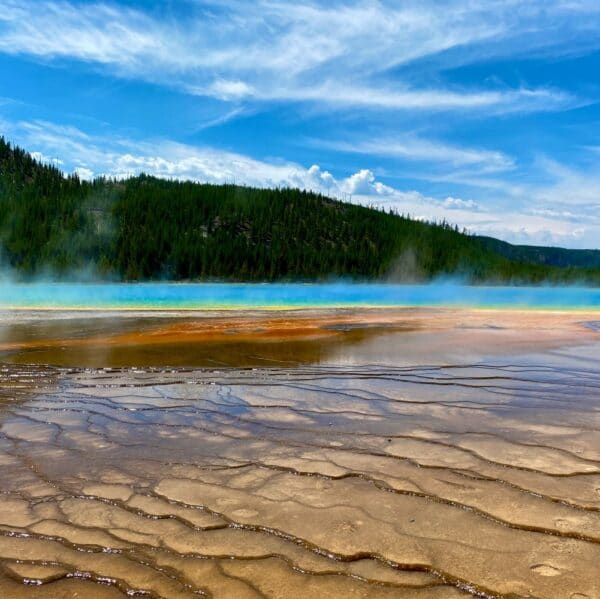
155 341
383 469
282 338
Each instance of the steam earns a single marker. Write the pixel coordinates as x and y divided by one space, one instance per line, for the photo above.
406 268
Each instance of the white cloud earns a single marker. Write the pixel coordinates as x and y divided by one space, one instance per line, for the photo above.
41 157
84 173
229 90
315 178
403 98
328 53
459 204
94 33
417 149
219 120
363 183
570 187
534 234
539 213
121 158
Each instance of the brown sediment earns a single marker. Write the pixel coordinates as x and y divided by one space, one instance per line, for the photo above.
308 336
380 469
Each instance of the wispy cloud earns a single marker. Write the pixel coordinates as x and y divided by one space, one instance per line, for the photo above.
569 189
387 96
413 148
217 121
328 53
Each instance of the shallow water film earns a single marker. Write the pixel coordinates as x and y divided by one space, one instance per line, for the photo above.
449 455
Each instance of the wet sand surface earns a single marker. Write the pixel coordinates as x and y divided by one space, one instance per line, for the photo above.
401 454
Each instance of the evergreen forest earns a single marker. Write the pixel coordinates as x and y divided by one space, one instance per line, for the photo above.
145 228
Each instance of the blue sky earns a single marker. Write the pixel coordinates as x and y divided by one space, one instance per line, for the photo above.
484 113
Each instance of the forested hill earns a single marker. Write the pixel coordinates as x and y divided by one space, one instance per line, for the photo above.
148 228
535 254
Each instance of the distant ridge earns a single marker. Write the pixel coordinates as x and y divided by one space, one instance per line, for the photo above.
537 254
145 228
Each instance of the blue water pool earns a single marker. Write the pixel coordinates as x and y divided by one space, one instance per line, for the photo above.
176 296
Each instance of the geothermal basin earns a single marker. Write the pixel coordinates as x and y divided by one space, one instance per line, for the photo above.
302 442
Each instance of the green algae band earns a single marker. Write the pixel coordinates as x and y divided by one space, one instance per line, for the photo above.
180 296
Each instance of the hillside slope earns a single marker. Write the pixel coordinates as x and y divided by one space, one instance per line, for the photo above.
147 228
536 254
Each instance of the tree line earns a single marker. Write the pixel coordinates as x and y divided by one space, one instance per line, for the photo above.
146 228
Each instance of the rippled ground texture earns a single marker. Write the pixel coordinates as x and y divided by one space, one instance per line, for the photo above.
331 480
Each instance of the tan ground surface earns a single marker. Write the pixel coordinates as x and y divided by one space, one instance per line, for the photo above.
344 454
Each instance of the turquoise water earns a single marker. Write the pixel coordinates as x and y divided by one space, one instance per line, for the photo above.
175 296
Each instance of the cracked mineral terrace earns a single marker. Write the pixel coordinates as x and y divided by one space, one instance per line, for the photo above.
358 453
